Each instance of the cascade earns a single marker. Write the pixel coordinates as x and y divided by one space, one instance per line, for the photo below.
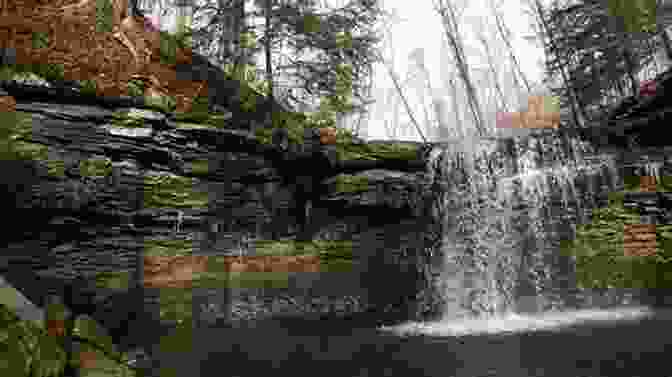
505 209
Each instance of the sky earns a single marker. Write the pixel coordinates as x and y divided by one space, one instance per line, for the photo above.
421 28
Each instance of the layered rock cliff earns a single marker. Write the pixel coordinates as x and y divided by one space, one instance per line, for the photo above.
96 191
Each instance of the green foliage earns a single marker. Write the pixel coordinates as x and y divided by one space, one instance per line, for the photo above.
638 15
248 40
295 123
598 250
104 11
170 43
40 40
344 40
310 24
247 74
248 99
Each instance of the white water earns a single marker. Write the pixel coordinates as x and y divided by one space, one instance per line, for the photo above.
500 232
515 323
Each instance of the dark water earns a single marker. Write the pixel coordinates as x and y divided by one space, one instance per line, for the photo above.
616 347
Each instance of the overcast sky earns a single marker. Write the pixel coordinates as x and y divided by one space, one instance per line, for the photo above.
421 28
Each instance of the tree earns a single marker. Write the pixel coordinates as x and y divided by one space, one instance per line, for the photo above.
267 49
505 35
314 55
491 65
450 25
593 51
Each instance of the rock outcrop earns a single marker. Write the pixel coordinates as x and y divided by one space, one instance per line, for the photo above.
102 191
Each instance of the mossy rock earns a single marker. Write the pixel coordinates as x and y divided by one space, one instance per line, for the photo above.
168 247
26 349
15 130
97 167
599 251
123 119
166 191
39 72
396 151
346 183
199 167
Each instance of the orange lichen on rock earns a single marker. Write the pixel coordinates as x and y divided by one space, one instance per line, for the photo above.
172 271
327 136
647 183
7 104
180 271
639 240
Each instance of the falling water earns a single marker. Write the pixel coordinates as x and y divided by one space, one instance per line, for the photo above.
507 205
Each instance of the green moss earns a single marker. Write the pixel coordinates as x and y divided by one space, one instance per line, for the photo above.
296 123
166 104
397 151
136 88
199 167
351 183
88 87
40 40
599 253
199 114
159 248
123 119
172 192
104 11
26 349
332 253
631 183
47 72
96 167
117 280
170 43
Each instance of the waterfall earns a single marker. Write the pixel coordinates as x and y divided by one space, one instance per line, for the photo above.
504 209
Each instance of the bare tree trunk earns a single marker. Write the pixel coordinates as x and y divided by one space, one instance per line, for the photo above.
240 25
663 33
449 22
491 65
629 63
576 107
402 96
459 130
505 33
269 66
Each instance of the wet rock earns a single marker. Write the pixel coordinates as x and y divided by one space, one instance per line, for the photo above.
163 187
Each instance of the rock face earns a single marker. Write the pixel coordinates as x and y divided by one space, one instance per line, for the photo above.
104 190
